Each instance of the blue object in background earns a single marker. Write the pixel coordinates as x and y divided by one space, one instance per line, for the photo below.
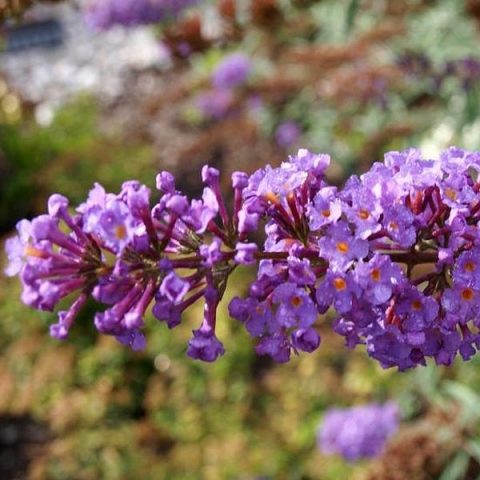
46 33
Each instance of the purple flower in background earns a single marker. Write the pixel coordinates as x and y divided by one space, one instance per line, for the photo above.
232 71
287 133
104 14
358 432
214 104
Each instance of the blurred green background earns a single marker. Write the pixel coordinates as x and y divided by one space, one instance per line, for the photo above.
358 78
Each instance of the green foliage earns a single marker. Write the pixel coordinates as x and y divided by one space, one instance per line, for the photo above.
67 157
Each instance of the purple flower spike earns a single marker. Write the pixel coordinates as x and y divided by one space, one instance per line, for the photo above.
395 252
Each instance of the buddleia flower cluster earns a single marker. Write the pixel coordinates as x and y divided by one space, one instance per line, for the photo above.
104 14
358 432
395 253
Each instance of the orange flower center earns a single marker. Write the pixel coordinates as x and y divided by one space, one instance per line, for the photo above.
271 197
296 301
342 247
340 284
31 251
470 266
451 193
326 213
467 294
393 225
363 214
120 232
417 305
376 275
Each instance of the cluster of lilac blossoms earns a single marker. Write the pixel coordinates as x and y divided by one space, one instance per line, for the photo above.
396 253
358 432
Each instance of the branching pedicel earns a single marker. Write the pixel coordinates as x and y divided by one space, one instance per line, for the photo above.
396 253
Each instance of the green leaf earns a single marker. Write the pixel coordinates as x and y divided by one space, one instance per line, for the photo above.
352 11
471 105
467 398
457 468
473 448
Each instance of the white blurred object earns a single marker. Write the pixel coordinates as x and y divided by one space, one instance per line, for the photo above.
44 114
440 137
87 62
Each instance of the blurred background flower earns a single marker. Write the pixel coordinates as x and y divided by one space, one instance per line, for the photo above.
358 432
